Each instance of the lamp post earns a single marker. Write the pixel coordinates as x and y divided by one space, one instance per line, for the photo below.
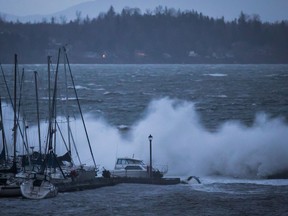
150 137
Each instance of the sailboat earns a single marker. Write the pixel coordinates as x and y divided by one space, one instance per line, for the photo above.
54 169
72 172
38 185
7 170
9 184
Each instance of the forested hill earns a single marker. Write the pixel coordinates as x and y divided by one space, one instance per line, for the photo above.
159 36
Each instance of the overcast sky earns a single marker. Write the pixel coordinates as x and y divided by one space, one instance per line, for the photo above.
269 10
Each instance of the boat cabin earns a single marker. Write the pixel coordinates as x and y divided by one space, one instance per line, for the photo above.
130 164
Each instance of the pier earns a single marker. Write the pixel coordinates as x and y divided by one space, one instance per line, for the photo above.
104 182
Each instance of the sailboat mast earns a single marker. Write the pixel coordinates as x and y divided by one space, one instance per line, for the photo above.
25 141
66 105
4 150
52 106
49 90
38 115
79 107
6 85
15 113
49 103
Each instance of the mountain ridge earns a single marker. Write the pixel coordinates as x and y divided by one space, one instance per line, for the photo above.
86 8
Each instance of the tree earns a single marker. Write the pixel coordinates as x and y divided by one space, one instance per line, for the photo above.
78 16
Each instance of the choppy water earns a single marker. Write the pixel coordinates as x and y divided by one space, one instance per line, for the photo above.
121 93
207 120
218 198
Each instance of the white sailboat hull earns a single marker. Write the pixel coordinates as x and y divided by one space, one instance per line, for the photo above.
38 189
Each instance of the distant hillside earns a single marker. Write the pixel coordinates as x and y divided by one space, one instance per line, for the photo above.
91 9
160 36
268 10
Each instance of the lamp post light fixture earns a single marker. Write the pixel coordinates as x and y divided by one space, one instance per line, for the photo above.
150 137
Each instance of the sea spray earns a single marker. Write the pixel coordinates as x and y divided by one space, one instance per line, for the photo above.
188 148
181 141
184 144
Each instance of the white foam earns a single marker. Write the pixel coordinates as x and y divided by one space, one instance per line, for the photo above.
185 145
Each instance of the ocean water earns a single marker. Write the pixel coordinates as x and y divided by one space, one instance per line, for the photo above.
226 124
132 199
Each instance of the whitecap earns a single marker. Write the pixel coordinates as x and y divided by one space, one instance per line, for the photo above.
222 96
216 75
78 87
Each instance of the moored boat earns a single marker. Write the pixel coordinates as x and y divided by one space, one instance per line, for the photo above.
11 188
130 167
9 184
38 186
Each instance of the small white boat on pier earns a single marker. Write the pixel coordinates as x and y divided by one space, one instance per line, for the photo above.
130 167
